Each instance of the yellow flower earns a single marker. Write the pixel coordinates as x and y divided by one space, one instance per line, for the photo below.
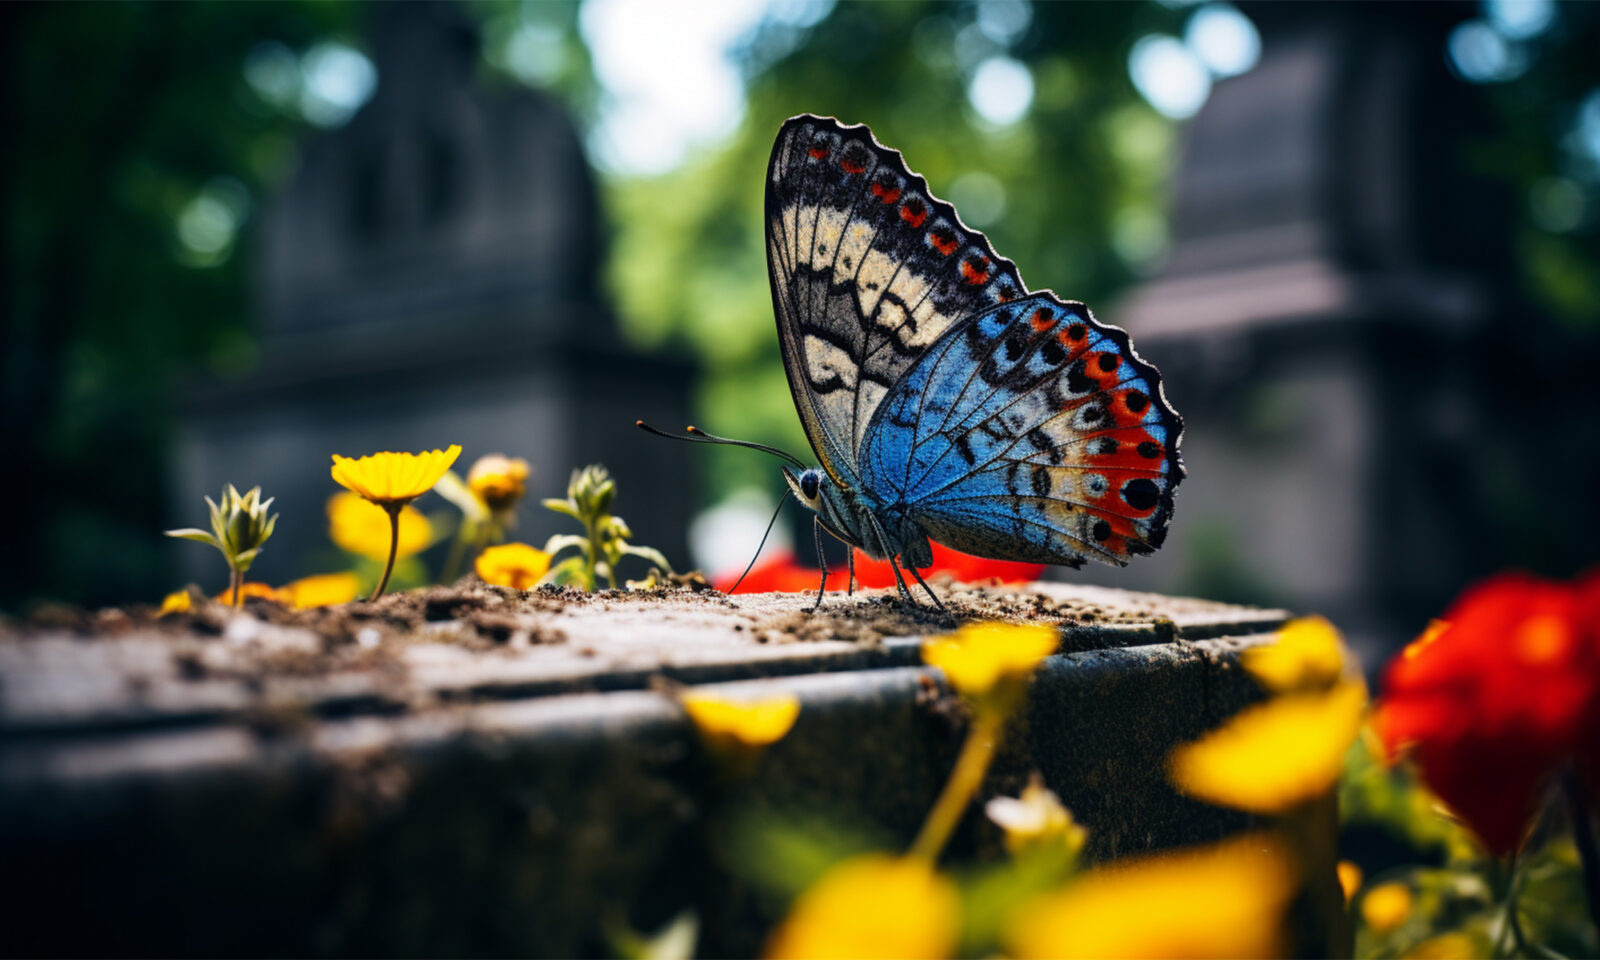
179 602
1349 879
1035 819
1274 756
322 590
361 527
982 655
1222 901
498 480
1308 654
394 478
1385 907
514 565
254 588
753 723
873 905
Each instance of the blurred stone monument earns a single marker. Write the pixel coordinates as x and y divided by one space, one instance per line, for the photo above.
428 276
1335 279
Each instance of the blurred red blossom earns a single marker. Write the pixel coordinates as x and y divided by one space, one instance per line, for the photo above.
780 572
1495 696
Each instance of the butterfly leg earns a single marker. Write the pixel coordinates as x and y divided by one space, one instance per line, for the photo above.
822 561
850 560
931 595
900 581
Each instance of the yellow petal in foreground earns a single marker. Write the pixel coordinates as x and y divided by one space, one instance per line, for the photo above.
1274 756
179 602
322 590
361 527
1221 901
1308 654
1349 879
979 656
752 723
515 565
872 906
1385 907
394 478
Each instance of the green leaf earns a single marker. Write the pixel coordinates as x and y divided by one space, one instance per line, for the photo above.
242 562
562 506
572 571
561 541
190 533
648 553
455 490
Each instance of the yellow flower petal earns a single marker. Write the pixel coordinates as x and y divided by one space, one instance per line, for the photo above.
254 588
872 906
179 602
1222 901
1309 653
515 565
394 477
980 655
500 481
361 527
1385 907
1274 756
1349 879
322 590
752 723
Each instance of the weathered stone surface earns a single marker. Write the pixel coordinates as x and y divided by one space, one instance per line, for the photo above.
449 798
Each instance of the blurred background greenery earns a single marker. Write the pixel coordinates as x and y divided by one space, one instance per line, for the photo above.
145 135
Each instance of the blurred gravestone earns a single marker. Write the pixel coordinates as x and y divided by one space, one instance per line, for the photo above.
426 277
1334 277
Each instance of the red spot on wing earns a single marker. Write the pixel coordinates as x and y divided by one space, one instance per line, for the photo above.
975 270
817 153
1042 321
887 192
914 212
943 241
850 166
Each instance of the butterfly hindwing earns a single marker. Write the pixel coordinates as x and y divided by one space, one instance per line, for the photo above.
1031 432
868 270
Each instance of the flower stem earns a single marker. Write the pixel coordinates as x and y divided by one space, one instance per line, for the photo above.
1583 837
237 582
394 547
971 765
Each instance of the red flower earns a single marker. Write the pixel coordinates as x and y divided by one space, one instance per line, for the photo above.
1493 699
780 572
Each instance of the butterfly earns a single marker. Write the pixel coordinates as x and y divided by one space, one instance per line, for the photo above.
945 400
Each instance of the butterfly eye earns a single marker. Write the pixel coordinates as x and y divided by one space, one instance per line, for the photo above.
810 483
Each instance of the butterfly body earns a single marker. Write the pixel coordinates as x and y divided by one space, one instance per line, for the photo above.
943 398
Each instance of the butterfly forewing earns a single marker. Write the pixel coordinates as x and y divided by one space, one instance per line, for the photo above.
1005 423
868 270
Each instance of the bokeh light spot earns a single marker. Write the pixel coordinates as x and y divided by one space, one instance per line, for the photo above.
338 81
1004 21
1224 39
1520 19
1480 55
1169 75
980 198
1001 90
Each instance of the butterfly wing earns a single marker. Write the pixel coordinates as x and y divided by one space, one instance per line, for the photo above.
1030 432
868 270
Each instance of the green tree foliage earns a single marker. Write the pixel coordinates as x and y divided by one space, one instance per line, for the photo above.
1088 161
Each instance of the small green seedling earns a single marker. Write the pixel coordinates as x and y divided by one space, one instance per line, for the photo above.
605 539
239 528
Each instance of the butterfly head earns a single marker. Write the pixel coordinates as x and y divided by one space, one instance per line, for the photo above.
806 485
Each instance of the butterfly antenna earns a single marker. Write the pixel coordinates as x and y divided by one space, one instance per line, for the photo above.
770 524
697 435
